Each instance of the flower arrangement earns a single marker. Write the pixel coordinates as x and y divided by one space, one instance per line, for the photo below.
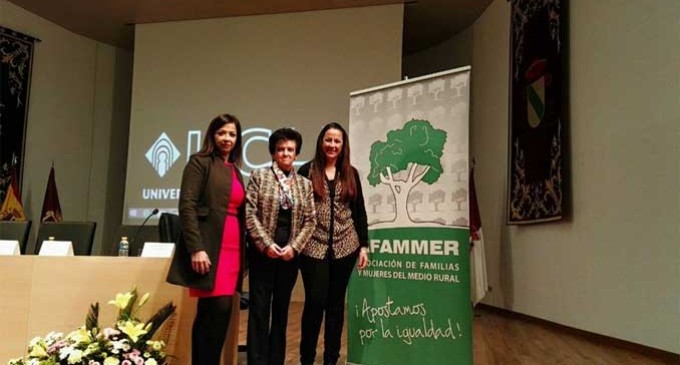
128 342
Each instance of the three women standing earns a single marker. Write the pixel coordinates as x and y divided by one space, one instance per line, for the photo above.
340 237
316 221
280 218
210 253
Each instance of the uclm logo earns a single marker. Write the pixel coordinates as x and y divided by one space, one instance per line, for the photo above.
162 154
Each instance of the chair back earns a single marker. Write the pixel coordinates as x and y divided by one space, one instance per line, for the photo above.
81 235
10 230
169 228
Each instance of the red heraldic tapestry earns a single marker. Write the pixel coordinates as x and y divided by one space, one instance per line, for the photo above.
538 100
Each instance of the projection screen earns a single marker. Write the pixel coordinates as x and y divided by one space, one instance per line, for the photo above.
270 71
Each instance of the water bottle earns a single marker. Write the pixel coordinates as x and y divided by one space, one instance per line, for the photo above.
124 247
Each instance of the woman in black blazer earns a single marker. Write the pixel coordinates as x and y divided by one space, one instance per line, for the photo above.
209 258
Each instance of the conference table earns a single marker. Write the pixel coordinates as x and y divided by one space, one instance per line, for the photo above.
42 294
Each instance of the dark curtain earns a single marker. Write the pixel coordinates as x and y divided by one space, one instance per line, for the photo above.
16 61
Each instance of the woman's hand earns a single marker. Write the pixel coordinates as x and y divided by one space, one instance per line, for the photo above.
363 258
287 253
200 262
273 251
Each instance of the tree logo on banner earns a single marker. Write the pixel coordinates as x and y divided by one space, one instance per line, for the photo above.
410 155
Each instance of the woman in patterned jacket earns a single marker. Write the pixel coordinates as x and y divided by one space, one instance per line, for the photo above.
340 237
280 219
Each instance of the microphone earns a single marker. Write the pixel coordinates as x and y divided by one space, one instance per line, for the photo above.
139 229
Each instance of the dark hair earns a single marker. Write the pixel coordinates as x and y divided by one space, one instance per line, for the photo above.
218 122
285 134
344 169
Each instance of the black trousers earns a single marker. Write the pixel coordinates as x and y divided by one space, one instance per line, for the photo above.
210 329
325 286
271 285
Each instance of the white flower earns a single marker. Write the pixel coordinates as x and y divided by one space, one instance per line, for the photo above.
111 361
75 357
53 337
35 341
151 362
110 332
65 352
120 345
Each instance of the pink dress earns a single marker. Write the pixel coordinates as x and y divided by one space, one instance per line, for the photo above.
229 264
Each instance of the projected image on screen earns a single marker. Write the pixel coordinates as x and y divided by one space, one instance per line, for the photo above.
165 160
270 71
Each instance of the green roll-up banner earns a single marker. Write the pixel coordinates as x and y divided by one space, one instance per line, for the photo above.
411 305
